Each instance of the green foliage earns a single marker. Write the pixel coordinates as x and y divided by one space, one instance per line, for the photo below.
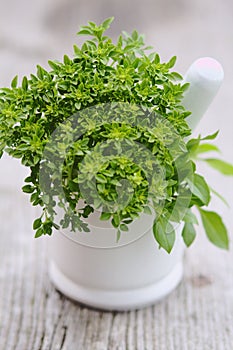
150 113
200 190
215 229
220 165
188 233
164 233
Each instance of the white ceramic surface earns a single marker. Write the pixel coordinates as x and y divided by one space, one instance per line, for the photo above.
131 276
205 76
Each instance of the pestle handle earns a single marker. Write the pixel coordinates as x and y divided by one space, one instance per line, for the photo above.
205 76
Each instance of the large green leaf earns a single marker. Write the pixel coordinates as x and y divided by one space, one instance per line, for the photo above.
188 233
211 136
206 147
164 234
193 145
215 228
220 165
200 188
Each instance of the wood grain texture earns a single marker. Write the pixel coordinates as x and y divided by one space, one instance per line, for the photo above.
34 316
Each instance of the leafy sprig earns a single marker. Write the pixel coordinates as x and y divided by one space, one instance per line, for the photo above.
212 222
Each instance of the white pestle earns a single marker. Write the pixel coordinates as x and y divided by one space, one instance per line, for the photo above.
205 76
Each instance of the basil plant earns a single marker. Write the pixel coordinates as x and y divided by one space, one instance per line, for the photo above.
106 131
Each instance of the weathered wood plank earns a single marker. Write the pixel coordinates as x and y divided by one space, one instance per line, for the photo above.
34 316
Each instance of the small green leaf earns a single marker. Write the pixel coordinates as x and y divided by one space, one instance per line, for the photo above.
206 147
28 179
34 197
40 72
193 145
220 165
66 60
37 223
215 228
45 199
129 221
107 22
85 228
124 227
77 51
188 233
87 211
14 82
53 65
156 59
147 210
200 188
164 234
105 216
85 32
28 189
176 76
25 83
172 62
101 178
118 235
39 232
57 227
211 136
115 220
185 87
134 35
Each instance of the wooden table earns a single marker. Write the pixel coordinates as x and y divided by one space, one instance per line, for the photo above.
34 316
